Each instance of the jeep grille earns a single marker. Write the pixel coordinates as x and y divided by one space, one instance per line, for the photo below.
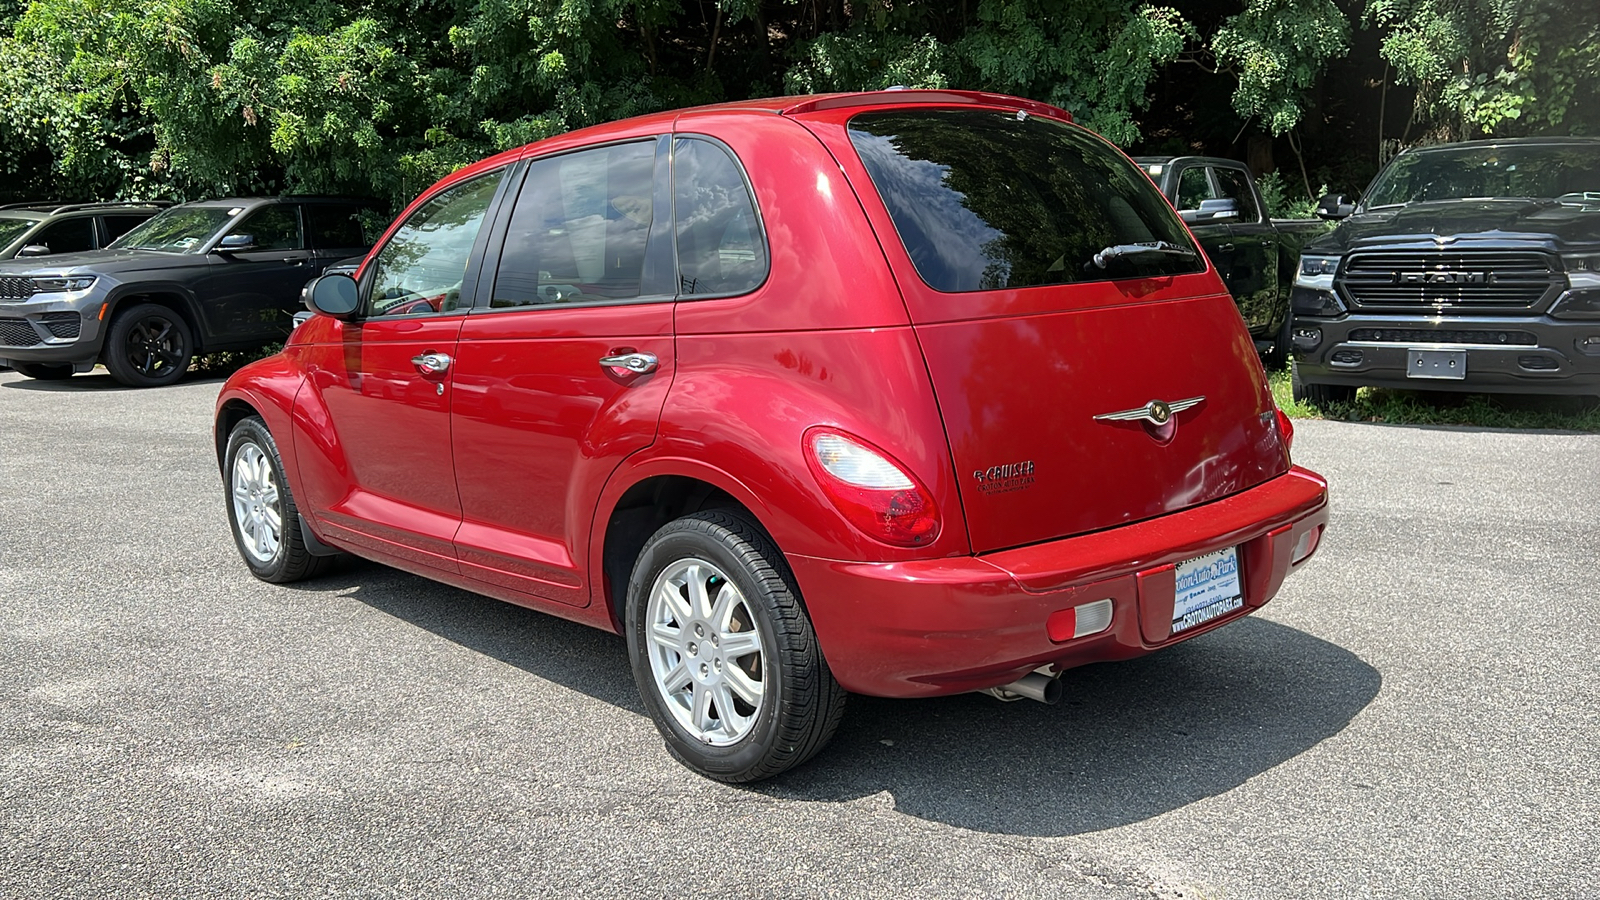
13 287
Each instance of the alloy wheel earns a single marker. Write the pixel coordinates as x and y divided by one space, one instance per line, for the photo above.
155 346
256 505
706 655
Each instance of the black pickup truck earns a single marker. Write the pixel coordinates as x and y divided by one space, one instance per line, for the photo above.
1465 267
1254 254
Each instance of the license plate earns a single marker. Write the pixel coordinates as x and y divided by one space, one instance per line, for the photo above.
1208 587
1448 364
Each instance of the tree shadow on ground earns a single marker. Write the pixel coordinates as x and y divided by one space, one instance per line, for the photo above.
1129 741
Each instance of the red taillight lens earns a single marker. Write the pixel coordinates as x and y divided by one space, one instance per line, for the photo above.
1286 428
876 494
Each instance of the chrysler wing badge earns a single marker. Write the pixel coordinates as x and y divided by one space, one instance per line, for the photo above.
1156 412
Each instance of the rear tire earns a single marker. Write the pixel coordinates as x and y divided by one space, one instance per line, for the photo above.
724 655
148 346
1320 395
261 511
44 371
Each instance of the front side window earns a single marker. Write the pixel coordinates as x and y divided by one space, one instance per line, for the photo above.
68 236
334 227
421 269
273 228
579 229
989 200
1236 187
1194 188
721 250
184 229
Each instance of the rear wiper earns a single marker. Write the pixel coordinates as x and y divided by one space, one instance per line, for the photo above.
1159 248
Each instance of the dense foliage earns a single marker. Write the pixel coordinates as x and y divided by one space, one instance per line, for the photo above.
184 98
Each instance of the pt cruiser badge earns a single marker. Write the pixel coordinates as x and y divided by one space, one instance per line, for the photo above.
1157 416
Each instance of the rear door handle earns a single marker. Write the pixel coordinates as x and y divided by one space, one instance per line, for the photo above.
431 363
637 363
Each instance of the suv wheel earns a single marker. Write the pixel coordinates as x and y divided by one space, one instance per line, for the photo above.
148 346
1322 395
723 651
266 523
44 371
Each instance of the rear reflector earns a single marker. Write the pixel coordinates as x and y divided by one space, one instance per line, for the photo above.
1079 621
1306 546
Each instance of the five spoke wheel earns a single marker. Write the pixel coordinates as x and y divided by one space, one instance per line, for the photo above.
256 506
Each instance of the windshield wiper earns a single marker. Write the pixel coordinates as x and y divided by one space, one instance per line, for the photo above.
1158 248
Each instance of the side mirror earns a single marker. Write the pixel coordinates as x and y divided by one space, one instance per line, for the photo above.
332 295
1334 206
1210 211
34 250
235 243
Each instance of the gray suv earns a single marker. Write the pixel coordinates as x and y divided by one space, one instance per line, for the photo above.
44 229
198 278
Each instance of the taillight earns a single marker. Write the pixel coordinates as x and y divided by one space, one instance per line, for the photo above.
876 494
1286 429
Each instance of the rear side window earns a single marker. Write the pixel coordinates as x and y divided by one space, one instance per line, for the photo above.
335 227
986 200
1236 187
117 226
721 250
579 229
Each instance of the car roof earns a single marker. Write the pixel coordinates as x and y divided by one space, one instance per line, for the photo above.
1169 160
231 202
1552 140
55 207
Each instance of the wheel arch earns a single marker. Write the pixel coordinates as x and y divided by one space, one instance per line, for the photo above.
170 297
635 506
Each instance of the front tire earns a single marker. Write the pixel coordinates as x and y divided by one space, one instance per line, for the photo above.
723 653
261 510
1277 356
44 371
148 346
1320 395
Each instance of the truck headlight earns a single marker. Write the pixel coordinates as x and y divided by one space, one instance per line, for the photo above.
1316 272
1583 272
65 284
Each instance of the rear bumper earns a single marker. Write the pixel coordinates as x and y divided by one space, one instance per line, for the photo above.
946 626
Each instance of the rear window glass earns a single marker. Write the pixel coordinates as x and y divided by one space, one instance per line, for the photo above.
334 227
986 200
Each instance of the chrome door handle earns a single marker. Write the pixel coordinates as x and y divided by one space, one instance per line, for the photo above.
637 363
1225 248
431 363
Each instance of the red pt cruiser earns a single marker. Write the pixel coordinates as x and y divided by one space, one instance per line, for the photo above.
903 393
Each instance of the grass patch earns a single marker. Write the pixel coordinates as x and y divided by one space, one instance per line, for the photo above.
1447 408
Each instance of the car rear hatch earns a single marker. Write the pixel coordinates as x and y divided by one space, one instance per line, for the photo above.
1077 393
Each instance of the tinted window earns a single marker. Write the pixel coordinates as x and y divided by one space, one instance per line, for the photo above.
117 226
274 227
1236 187
579 229
335 227
720 246
67 236
1193 187
985 200
421 268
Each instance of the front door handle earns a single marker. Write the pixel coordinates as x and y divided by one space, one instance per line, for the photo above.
637 363
431 363
1225 248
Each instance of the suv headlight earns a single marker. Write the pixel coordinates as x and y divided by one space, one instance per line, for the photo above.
1316 272
65 284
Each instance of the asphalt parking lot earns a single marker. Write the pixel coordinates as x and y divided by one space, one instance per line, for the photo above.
1416 714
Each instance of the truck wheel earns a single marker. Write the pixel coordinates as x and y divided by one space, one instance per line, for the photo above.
44 371
266 523
723 652
1320 395
1277 356
148 346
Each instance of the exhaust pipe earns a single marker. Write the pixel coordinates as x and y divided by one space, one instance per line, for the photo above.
1044 688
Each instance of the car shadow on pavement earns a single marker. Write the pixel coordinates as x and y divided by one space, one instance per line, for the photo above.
95 383
1128 741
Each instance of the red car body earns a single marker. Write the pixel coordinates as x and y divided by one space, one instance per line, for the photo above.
532 474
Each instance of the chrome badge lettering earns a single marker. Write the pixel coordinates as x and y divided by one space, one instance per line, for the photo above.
1444 276
1004 479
